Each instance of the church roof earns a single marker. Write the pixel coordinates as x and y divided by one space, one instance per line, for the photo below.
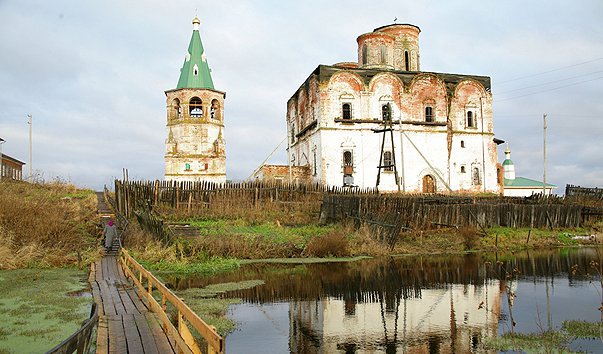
522 182
195 72
325 72
507 162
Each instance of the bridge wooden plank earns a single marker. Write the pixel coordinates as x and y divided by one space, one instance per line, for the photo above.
117 336
108 305
102 336
114 294
146 336
97 297
98 268
105 269
140 306
132 336
126 301
162 341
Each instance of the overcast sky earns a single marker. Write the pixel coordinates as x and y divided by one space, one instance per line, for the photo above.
93 75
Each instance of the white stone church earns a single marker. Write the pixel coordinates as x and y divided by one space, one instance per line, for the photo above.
435 130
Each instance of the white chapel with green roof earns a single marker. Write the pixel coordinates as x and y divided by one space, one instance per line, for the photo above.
520 186
195 147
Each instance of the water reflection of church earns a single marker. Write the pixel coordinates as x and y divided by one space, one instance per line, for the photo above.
453 319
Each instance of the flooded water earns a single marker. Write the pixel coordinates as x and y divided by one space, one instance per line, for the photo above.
428 304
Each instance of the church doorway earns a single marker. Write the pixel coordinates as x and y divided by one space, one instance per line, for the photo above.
429 184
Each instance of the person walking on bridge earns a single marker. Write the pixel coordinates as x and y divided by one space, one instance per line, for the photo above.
110 233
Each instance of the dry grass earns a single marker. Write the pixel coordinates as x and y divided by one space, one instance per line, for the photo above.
333 244
304 210
45 225
470 237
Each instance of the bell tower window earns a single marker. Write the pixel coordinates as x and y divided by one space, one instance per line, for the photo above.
196 107
195 70
214 112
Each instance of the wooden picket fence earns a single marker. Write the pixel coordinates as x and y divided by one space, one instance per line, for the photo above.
583 192
416 211
223 198
426 212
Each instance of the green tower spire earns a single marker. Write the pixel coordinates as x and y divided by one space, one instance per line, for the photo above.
195 72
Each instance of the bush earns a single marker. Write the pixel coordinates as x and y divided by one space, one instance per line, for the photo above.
333 244
470 237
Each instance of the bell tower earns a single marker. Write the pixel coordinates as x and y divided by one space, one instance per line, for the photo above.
195 147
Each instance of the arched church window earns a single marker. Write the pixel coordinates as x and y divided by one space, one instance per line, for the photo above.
429 114
346 111
215 109
195 70
476 177
387 161
348 162
470 120
195 107
364 54
406 60
386 112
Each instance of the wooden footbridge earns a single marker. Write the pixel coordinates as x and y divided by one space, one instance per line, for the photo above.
133 309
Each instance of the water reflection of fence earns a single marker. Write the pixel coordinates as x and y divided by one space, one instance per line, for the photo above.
368 280
422 212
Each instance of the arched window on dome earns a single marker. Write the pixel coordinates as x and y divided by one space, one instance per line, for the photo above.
383 56
364 54
195 107
406 60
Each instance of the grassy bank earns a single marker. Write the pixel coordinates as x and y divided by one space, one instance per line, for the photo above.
244 240
36 312
553 341
46 225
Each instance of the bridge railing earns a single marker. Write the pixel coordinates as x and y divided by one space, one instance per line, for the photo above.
81 340
181 333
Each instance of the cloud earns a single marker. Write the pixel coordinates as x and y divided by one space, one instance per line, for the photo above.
94 74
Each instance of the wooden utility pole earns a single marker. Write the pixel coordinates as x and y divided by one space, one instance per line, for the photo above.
30 178
544 155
